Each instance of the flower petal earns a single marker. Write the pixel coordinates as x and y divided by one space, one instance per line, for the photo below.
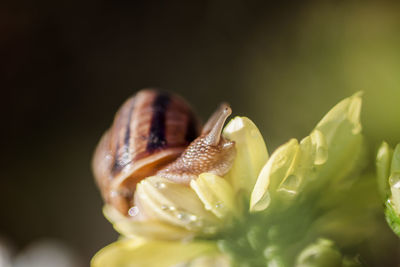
218 260
323 253
328 155
216 194
272 173
153 229
174 203
251 154
346 114
133 252
341 128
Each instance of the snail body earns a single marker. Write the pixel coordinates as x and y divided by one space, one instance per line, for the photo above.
158 133
210 152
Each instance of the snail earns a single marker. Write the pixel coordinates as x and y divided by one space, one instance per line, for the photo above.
157 133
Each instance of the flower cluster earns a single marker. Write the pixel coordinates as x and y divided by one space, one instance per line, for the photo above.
300 206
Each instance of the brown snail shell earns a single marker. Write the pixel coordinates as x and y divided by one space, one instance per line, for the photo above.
155 133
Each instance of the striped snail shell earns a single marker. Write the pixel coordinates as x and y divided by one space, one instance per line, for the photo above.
158 133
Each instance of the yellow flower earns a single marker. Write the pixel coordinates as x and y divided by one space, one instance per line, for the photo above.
176 214
215 217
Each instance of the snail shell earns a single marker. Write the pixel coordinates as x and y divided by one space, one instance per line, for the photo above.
155 133
150 129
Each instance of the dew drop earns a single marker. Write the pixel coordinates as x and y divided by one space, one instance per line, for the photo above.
164 207
193 218
219 205
172 208
321 155
290 184
160 185
183 216
133 211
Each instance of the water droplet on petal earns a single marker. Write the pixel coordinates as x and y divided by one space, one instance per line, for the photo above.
193 218
160 185
172 208
183 216
321 155
290 184
219 205
133 211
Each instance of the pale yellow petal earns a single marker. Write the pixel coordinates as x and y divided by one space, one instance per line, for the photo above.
312 153
216 194
251 155
298 169
138 253
272 174
328 155
217 260
320 147
345 112
341 128
152 229
176 204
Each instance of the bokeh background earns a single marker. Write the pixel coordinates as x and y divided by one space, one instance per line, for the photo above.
67 66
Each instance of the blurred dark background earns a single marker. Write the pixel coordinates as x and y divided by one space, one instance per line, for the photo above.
67 66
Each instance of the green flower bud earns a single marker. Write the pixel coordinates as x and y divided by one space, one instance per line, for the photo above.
320 254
